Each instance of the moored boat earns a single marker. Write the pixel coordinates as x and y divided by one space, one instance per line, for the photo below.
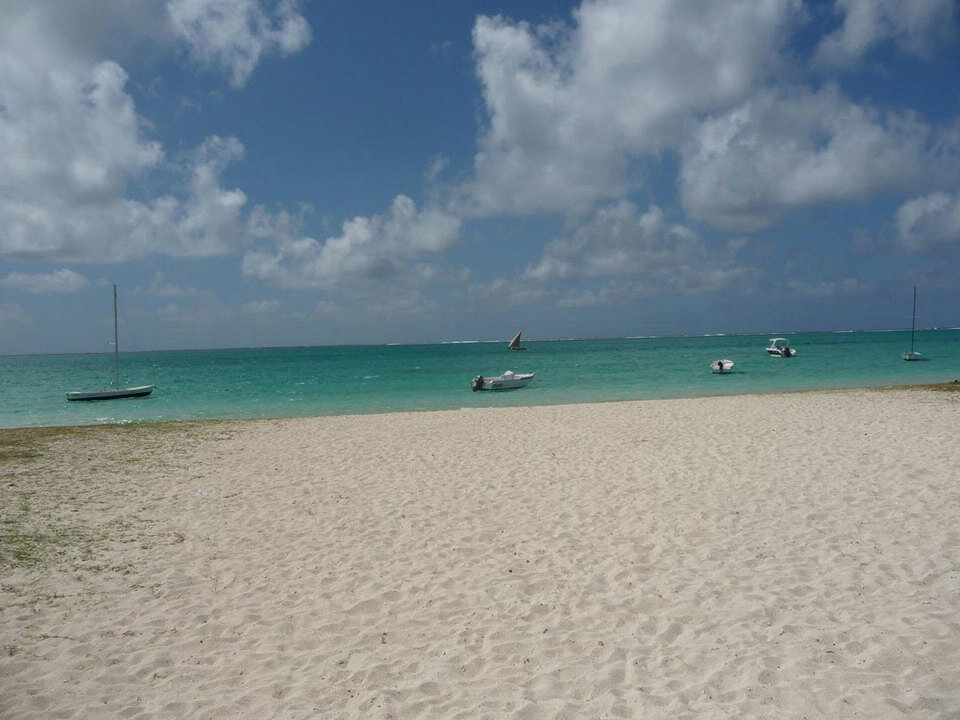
508 381
111 393
719 367
779 347
912 354
116 391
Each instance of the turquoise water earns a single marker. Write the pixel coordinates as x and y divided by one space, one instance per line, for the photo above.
294 382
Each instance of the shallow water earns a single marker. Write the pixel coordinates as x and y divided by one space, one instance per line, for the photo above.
294 382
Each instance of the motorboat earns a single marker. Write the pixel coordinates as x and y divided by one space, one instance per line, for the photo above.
721 366
779 347
508 381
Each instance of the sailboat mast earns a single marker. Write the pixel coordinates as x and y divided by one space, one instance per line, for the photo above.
913 325
116 347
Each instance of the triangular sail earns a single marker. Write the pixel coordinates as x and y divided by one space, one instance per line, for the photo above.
515 343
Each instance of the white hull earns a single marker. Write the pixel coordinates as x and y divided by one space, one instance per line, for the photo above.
779 347
721 366
507 381
111 393
116 391
913 355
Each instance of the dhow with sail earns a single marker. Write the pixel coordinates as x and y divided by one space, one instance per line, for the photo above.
515 343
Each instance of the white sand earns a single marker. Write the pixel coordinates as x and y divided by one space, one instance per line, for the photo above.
777 556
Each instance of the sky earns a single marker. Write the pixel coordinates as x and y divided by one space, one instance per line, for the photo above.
325 172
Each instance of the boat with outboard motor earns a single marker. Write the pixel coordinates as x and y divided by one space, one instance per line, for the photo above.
508 381
719 367
779 347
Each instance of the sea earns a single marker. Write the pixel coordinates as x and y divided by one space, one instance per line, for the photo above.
346 380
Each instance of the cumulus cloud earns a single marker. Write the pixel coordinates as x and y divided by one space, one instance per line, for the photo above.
504 292
916 26
74 152
159 287
12 315
571 107
261 307
929 222
59 281
232 35
437 166
788 147
69 138
829 288
80 220
620 242
369 249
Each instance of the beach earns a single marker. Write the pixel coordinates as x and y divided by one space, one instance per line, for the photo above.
775 555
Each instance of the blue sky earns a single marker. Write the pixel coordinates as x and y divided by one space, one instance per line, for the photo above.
268 172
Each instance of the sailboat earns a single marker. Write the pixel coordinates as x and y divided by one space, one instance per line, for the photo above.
116 391
913 354
515 343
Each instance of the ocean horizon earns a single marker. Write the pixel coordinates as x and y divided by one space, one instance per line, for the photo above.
270 382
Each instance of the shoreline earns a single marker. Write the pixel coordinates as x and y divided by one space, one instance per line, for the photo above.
945 386
778 554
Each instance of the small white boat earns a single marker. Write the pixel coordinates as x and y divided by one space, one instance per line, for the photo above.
116 391
508 381
515 343
913 354
721 366
779 347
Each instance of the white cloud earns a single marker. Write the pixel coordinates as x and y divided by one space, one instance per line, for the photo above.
504 293
369 249
571 108
227 35
75 154
159 287
233 34
790 147
59 281
326 308
621 243
78 219
12 315
829 288
916 26
437 166
930 222
210 222
261 307
69 138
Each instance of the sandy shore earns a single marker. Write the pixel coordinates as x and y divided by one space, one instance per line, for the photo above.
774 556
